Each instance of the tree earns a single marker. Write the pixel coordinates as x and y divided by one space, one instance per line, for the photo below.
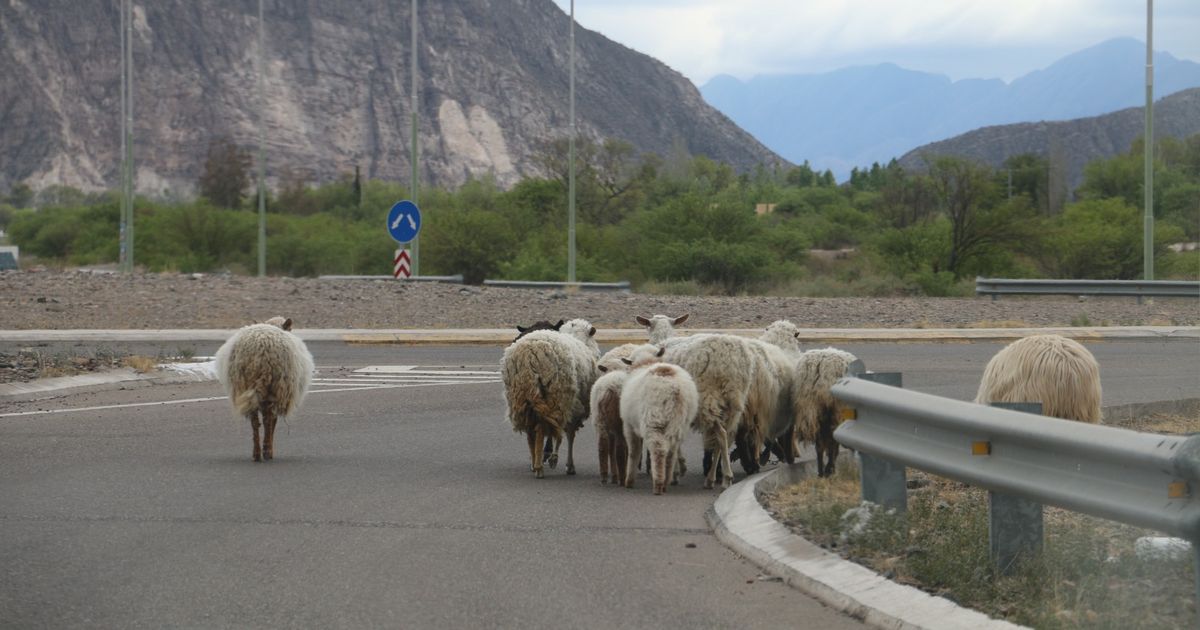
226 173
19 195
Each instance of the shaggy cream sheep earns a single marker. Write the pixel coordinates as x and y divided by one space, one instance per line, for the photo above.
266 371
818 413
548 377
658 402
605 412
723 368
1051 369
661 327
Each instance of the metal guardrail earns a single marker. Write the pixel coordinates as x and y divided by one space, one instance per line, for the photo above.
996 287
1141 479
581 286
455 279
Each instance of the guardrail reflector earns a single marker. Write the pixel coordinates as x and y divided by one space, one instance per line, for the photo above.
1177 490
981 448
849 413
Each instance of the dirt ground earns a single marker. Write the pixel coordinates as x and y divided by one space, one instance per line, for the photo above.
48 299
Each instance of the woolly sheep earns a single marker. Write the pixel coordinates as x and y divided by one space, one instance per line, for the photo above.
266 371
770 413
818 413
723 369
548 377
661 327
658 402
605 412
1053 370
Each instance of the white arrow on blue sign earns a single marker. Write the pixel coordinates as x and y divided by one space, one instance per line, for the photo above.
404 221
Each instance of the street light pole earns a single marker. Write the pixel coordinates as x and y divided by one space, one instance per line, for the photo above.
1148 213
122 244
262 163
416 258
128 183
571 159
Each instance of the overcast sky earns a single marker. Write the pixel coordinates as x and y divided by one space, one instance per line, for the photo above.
960 38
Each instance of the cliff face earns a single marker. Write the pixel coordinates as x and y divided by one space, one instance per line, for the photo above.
492 89
1074 143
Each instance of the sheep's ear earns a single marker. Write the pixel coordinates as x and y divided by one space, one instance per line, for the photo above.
287 324
679 320
626 361
559 324
602 368
661 351
592 332
642 320
521 329
796 334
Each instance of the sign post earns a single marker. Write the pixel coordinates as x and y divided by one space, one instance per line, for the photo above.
403 225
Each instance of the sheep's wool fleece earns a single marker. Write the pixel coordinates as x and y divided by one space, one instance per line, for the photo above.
264 363
723 368
816 372
1051 369
548 377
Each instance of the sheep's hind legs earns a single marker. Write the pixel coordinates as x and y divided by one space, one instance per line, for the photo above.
269 421
254 424
537 455
571 453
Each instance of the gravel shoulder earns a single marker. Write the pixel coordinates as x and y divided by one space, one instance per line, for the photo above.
63 300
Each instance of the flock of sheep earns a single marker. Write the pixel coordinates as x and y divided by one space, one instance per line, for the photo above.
763 395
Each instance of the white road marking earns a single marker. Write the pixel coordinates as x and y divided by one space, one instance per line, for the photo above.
373 377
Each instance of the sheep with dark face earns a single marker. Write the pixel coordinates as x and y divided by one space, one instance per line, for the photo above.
658 402
548 377
1055 371
536 326
266 371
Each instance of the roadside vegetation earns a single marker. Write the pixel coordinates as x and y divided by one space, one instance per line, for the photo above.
674 224
1087 576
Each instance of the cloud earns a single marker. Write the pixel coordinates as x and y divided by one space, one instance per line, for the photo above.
962 38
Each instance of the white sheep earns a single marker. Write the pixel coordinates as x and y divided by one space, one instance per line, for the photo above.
266 371
770 411
548 377
1051 369
818 413
661 327
658 402
723 368
605 412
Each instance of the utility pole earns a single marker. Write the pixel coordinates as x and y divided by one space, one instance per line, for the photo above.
416 258
1148 214
128 183
122 244
571 159
262 159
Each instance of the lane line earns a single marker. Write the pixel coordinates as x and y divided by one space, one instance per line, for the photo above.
43 412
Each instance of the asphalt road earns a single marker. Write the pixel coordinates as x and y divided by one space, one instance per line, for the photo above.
404 504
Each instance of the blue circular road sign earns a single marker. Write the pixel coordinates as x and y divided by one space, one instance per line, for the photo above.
404 221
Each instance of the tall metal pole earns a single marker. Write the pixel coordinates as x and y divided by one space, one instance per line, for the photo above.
129 137
122 245
416 258
571 152
262 159
1148 214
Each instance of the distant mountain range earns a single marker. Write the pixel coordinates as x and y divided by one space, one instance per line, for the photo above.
859 115
1071 144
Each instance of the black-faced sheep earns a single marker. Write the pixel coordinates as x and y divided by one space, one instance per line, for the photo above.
536 326
1053 370
548 377
818 413
658 402
266 371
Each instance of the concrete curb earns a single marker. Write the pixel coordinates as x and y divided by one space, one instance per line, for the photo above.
504 336
123 378
741 523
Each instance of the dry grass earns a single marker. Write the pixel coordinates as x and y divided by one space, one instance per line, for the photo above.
1087 575
140 364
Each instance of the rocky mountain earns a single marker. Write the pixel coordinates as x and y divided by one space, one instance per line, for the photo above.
1069 143
856 116
493 89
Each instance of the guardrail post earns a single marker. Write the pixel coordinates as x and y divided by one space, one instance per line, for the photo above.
1015 524
884 482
